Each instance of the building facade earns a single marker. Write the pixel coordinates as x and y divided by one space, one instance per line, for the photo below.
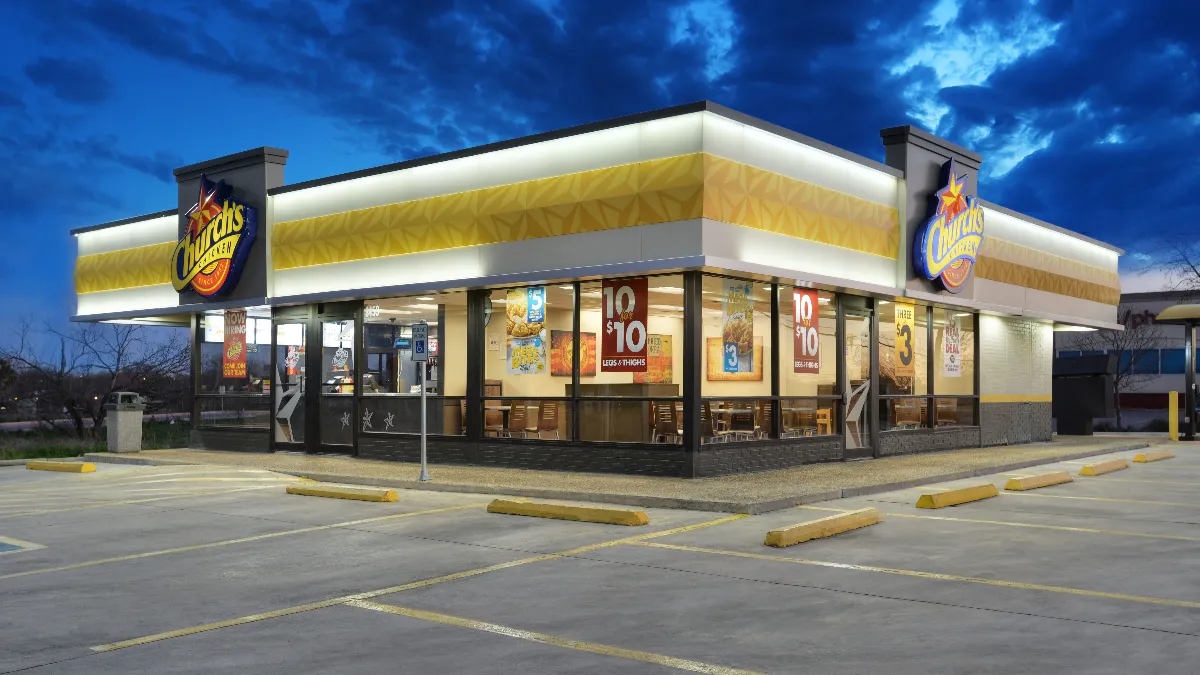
686 292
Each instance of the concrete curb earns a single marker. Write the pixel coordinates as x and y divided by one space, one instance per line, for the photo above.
63 467
362 494
23 462
583 514
821 527
1101 468
1041 481
650 501
940 500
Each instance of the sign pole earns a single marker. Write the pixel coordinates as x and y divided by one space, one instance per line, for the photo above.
420 354
424 465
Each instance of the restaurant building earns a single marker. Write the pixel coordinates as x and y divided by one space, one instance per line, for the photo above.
686 292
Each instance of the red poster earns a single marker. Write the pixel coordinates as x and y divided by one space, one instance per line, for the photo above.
234 359
624 342
806 340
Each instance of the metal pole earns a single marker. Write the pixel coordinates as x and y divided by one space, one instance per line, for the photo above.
424 467
1189 396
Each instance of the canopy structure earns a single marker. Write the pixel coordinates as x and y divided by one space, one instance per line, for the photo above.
1179 314
1187 316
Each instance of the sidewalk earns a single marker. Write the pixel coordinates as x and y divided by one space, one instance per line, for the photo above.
744 493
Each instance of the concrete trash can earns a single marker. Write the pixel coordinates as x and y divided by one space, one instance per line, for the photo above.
124 411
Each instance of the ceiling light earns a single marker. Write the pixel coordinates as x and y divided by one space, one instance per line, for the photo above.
963 314
884 302
566 288
674 290
425 298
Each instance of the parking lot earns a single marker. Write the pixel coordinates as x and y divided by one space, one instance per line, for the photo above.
191 569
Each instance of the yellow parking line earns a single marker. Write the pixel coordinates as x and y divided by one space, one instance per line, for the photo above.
1038 526
240 540
554 640
129 501
404 587
932 575
1099 499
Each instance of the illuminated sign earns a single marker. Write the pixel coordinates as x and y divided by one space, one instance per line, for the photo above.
948 244
220 231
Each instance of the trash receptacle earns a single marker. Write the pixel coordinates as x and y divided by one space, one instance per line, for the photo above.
124 421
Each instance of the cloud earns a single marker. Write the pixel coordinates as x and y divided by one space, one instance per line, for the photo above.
76 81
711 24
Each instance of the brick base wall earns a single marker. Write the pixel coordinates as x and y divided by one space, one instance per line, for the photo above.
913 441
722 459
242 440
1013 423
650 460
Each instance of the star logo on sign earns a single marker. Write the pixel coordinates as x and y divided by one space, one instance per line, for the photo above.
367 414
389 421
345 420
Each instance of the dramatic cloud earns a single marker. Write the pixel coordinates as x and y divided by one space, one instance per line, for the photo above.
1087 113
75 81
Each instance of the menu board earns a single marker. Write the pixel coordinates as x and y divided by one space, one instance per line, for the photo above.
905 340
737 327
624 342
525 330
952 349
806 339
659 362
233 360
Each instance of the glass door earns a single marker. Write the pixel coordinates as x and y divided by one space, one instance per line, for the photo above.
857 385
337 385
289 387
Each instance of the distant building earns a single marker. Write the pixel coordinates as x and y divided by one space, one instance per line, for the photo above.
1164 364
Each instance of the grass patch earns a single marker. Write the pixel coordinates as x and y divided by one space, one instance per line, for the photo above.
56 443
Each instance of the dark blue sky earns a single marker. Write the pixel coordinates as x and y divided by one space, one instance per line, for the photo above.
1087 112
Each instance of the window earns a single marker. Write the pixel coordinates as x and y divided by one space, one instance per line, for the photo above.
638 407
1138 362
235 373
1068 353
1172 361
902 368
954 367
736 342
391 379
527 361
807 342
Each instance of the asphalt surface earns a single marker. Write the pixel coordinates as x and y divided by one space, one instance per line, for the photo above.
197 569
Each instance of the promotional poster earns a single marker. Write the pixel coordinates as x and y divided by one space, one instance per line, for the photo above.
806 339
737 327
624 343
233 361
525 310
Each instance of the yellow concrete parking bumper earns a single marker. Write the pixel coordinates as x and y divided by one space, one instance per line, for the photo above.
822 527
69 467
362 494
954 497
1104 467
585 514
1153 456
1040 481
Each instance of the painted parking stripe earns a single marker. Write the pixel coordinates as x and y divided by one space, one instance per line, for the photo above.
466 574
935 576
554 640
38 512
240 540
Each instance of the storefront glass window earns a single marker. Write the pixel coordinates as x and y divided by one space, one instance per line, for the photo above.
807 362
954 352
645 405
235 368
737 341
903 356
390 380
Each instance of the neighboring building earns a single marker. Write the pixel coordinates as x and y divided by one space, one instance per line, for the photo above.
1159 364
686 292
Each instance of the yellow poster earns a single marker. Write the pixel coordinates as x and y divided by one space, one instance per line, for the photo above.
905 340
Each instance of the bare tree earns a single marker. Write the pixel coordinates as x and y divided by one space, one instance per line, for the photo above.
1179 262
1135 342
73 372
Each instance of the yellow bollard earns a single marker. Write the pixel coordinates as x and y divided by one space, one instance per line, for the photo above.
1173 414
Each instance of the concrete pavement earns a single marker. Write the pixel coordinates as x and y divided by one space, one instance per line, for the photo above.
194 569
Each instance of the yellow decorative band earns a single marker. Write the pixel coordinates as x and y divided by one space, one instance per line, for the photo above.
1017 254
1050 282
1014 398
124 268
655 191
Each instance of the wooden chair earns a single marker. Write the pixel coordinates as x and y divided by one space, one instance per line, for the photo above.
907 414
764 414
547 419
947 412
665 428
516 422
462 415
824 421
707 433
493 422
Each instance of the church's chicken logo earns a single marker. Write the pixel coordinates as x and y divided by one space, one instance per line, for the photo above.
948 245
220 231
